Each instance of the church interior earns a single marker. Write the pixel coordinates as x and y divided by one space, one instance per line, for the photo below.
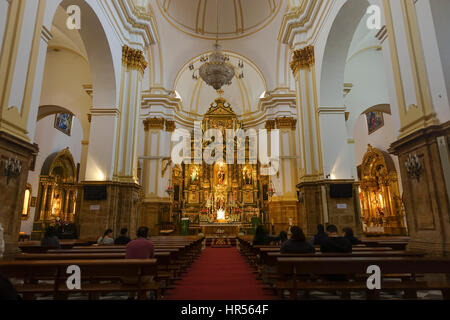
210 121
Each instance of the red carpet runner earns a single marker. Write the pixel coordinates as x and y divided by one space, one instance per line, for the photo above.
219 274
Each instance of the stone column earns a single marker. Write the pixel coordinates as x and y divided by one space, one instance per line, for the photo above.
308 129
421 100
283 206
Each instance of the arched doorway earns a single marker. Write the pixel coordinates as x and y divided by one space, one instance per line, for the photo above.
381 204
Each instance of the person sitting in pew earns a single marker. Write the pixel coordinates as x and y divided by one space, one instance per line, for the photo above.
320 236
262 237
123 238
348 234
334 242
283 237
50 239
107 239
7 291
297 243
141 248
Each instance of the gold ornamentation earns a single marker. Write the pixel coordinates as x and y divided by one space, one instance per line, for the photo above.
153 123
134 59
170 126
302 59
270 125
286 123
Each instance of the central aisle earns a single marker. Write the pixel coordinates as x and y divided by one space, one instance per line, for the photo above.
219 274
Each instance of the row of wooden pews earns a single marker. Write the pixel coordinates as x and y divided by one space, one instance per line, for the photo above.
102 268
401 271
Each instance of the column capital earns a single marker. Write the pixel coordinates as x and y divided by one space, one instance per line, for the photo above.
286 123
170 126
270 125
154 123
134 59
302 59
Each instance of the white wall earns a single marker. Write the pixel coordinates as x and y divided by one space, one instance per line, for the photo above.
51 140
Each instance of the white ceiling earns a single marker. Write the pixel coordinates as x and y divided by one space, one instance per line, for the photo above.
237 18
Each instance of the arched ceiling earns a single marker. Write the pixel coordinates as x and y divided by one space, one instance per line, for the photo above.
237 18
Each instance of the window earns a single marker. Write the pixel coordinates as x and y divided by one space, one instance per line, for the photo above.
26 202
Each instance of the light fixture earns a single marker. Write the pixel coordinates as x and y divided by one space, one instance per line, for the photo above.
216 69
169 188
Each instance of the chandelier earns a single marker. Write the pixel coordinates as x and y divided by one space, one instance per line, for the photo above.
217 70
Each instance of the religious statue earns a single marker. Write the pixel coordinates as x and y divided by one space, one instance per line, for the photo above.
247 176
221 176
194 176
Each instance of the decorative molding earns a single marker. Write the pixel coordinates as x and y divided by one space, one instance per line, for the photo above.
414 166
303 59
270 125
170 126
154 123
286 123
134 59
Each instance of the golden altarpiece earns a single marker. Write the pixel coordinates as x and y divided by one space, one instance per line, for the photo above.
381 205
219 196
57 192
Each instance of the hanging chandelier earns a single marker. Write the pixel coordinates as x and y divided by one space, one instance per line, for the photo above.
217 70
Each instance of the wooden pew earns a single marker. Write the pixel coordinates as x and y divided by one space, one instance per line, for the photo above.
163 260
297 273
31 272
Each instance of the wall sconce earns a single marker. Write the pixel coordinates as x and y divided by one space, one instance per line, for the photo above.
12 169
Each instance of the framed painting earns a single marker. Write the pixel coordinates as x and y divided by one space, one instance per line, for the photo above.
375 121
63 122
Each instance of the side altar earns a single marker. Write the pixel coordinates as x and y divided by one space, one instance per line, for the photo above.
222 194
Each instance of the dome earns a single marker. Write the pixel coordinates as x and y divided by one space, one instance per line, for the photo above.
199 18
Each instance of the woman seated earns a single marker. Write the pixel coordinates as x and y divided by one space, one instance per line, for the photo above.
348 234
107 239
297 243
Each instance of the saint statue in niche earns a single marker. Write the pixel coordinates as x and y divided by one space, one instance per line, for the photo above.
194 175
221 176
247 175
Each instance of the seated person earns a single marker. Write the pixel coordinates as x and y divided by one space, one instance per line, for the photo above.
141 248
7 291
297 243
122 239
283 237
348 234
262 237
334 242
320 236
107 238
337 244
50 239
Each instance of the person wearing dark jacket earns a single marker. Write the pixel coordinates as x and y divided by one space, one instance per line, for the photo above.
297 243
262 237
50 239
335 243
348 234
320 236
122 239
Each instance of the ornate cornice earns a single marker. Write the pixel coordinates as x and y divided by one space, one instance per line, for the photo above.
286 123
154 123
302 59
270 125
170 126
299 19
134 59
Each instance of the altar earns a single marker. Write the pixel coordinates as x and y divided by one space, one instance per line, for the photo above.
222 194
